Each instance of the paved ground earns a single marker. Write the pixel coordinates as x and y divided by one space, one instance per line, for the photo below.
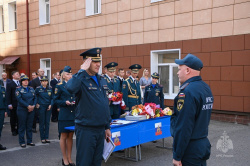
50 154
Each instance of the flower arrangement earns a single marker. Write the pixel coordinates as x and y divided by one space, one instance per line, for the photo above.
151 110
116 98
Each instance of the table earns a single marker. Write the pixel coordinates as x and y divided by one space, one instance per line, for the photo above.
133 134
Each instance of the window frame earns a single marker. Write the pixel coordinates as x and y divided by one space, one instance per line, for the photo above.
153 1
43 12
43 66
2 19
154 67
12 16
91 4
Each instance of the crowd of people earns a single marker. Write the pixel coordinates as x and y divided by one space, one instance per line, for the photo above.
82 100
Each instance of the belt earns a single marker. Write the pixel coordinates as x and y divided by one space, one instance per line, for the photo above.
132 96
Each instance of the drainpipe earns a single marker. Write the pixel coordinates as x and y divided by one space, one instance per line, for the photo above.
28 38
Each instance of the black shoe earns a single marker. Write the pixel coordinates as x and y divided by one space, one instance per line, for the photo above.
47 141
14 133
154 141
72 164
23 145
43 142
31 144
54 120
2 147
34 131
64 164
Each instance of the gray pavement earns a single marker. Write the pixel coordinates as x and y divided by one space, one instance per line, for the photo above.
50 154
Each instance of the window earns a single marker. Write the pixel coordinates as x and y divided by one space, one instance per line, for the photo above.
93 7
44 12
45 64
12 16
152 1
1 20
162 61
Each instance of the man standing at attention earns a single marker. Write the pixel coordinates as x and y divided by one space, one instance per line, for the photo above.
131 88
92 121
192 112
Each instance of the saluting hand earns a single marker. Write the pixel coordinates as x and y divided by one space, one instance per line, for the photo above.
86 64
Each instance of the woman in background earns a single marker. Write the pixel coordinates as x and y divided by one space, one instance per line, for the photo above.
66 102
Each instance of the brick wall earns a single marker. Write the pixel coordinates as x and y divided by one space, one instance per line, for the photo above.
226 65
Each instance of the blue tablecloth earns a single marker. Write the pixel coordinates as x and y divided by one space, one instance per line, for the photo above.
132 134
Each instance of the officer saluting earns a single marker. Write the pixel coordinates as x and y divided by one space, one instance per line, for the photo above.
131 88
92 112
154 92
192 111
114 86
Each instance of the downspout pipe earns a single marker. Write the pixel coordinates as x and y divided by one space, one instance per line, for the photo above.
28 38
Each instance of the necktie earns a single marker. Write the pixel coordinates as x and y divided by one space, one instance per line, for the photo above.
17 83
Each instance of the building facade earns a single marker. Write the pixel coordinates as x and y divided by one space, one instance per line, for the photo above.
150 32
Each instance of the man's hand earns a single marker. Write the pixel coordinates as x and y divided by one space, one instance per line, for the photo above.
177 163
68 103
37 105
6 114
107 134
10 107
86 64
49 108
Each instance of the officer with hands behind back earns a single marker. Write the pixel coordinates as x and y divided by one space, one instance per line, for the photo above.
3 111
92 111
192 112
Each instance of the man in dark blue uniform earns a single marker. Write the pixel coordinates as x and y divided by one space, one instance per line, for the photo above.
192 111
114 86
92 122
3 111
154 92
56 80
131 88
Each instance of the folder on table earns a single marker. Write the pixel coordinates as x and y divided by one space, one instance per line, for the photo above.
108 149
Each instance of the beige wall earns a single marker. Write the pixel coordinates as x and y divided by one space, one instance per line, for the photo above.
124 22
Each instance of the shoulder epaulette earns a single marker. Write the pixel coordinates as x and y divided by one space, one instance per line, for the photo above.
59 83
160 85
126 79
184 86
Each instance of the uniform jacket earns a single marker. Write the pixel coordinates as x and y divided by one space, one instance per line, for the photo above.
91 100
7 81
113 86
24 97
131 93
35 83
3 105
10 93
53 84
44 96
67 112
192 111
154 95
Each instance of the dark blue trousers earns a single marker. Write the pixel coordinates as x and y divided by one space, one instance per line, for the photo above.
44 121
197 153
89 145
2 113
25 122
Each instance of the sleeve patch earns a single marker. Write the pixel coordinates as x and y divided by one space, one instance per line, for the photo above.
181 95
180 104
17 93
56 90
124 86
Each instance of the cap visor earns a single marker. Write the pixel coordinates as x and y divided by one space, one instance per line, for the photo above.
179 61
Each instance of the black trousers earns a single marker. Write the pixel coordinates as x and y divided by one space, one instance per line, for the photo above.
13 120
54 116
35 118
